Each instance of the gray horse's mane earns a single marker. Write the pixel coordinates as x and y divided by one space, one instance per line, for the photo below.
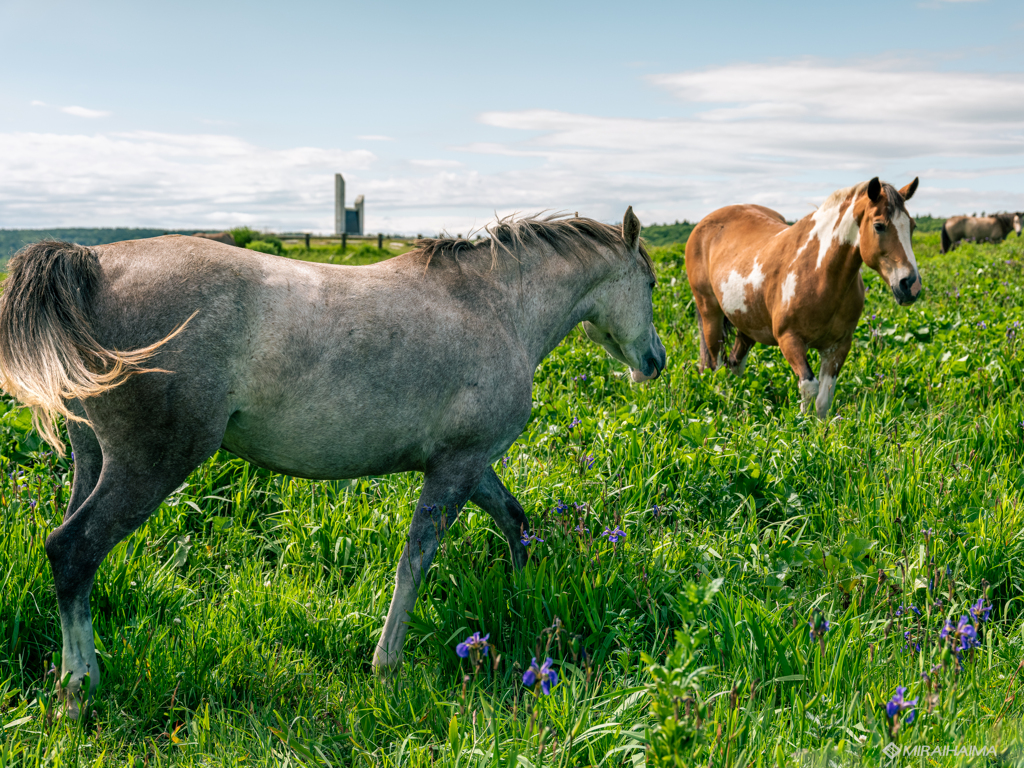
1006 219
512 237
893 199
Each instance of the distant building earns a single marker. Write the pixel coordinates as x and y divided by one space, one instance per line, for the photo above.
347 221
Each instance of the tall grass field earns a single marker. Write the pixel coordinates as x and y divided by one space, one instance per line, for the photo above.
783 592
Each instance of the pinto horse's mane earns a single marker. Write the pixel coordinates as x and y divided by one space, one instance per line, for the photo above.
893 199
511 237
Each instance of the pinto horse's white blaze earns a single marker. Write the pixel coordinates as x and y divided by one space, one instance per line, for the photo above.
734 288
902 224
788 288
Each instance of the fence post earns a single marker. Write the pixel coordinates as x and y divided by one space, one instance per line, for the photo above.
344 241
307 241
380 242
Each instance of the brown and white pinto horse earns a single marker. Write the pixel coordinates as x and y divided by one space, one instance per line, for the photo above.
799 287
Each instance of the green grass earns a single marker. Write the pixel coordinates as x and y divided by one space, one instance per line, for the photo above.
237 625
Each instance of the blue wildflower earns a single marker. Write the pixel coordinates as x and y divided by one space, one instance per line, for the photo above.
573 424
545 673
561 507
473 643
980 611
819 626
897 704
614 534
530 538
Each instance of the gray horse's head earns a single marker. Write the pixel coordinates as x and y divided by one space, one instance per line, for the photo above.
622 317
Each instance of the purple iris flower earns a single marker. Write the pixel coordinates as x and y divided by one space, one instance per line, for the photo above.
898 704
545 673
614 534
980 611
819 626
530 538
473 642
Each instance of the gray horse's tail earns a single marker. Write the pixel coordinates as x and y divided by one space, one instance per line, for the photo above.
48 353
946 241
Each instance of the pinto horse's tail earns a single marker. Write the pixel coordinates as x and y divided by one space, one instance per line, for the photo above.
946 241
48 352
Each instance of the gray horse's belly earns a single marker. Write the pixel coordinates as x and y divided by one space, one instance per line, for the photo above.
323 447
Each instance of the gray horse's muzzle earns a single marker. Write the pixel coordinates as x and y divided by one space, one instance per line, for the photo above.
651 364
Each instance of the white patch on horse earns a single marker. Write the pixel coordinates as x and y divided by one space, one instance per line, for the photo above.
808 392
734 289
826 391
902 224
788 288
829 227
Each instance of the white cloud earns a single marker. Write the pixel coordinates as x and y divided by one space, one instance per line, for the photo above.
782 135
84 112
155 179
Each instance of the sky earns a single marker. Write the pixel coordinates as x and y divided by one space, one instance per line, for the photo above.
446 114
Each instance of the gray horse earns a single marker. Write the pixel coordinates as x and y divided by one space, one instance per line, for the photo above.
991 229
423 362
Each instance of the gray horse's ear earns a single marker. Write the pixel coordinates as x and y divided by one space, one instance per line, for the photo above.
874 189
908 191
631 229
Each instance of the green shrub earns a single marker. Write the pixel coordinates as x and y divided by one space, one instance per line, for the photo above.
263 247
243 236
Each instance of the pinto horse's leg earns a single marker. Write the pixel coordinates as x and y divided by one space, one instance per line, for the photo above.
711 327
740 350
447 485
795 352
832 360
493 497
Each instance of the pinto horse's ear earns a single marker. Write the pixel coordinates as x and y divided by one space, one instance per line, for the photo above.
631 229
908 191
874 189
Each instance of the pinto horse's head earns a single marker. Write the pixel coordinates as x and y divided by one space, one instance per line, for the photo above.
1017 218
622 317
885 237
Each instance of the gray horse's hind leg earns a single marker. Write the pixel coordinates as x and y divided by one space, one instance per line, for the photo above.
493 497
447 486
131 485
88 458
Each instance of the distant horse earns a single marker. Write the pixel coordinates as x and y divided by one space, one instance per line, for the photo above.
423 362
992 228
221 237
799 286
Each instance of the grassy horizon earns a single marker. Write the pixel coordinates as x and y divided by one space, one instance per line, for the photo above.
236 627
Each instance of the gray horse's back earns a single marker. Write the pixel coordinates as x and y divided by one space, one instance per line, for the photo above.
313 370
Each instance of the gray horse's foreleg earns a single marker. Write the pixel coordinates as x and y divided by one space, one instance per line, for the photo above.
493 497
446 488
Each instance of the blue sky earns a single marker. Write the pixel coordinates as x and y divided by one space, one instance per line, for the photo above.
443 114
